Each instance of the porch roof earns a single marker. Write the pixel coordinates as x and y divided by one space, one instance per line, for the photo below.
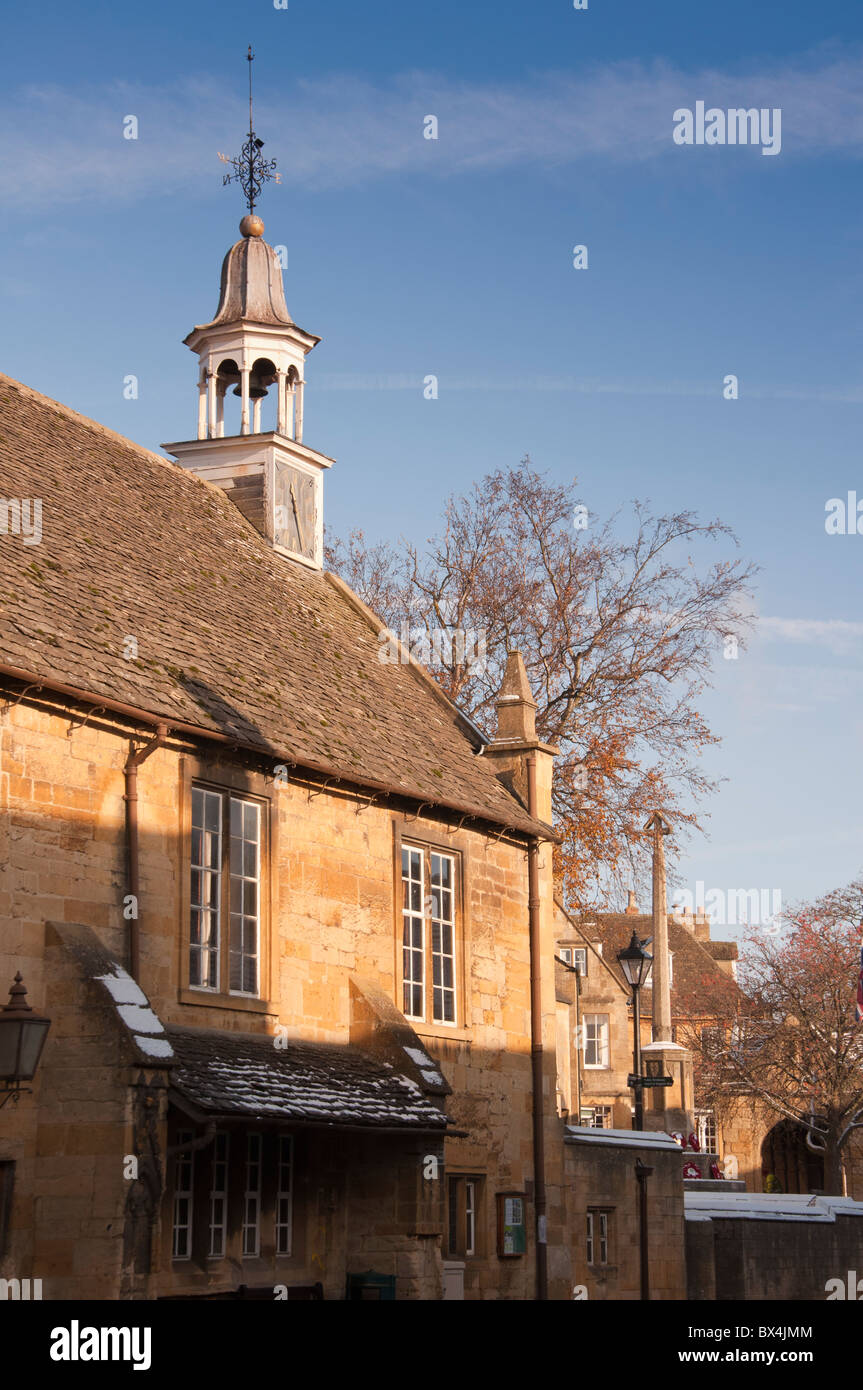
243 1076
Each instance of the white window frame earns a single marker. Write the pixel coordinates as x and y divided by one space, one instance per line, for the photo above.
216 919
579 960
470 1216
590 1113
252 1197
565 954
705 1120
184 1191
427 910
218 1232
285 1196
597 1236
596 1034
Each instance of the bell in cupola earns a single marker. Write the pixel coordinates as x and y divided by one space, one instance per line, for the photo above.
262 376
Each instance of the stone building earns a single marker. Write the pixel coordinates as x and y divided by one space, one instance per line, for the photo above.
289 911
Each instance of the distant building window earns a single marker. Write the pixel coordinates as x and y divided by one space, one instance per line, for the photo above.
225 904
596 1116
428 934
712 1040
596 1040
597 1235
184 1172
670 969
706 1125
576 956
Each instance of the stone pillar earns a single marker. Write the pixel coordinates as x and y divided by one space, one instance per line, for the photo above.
661 982
256 416
282 410
298 415
220 412
211 405
667 1108
202 405
244 397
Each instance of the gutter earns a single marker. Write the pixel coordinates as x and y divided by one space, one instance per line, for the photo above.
200 731
536 1052
130 796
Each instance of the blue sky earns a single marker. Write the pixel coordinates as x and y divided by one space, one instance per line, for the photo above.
453 257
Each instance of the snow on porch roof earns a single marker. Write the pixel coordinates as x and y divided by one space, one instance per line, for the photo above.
621 1138
324 1085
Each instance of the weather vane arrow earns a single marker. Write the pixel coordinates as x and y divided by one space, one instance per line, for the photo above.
251 169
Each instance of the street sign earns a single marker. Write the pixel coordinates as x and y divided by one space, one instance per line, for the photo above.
649 1080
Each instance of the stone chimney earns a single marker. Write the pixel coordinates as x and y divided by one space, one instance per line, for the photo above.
701 926
632 904
516 738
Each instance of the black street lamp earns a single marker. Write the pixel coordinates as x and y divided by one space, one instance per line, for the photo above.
22 1037
635 963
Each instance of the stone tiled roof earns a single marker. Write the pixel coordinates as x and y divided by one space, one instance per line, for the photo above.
231 636
722 950
695 970
306 1083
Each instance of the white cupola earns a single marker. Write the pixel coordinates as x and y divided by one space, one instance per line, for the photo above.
252 350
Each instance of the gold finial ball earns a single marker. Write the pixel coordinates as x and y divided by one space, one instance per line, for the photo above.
251 225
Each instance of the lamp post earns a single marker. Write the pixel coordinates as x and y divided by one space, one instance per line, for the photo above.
22 1037
635 963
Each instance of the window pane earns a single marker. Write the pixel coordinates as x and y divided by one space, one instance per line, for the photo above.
204 889
245 896
413 951
284 1195
442 939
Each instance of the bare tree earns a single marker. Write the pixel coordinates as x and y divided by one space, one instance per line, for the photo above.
797 1048
618 627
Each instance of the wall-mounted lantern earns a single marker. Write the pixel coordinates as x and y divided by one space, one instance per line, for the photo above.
22 1037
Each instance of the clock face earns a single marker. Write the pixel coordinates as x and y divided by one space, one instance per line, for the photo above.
295 514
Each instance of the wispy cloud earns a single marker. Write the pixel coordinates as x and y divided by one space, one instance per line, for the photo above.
582 386
837 635
65 143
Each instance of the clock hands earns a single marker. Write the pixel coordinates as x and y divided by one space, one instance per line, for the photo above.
297 518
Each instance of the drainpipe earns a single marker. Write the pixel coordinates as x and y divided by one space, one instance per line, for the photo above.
533 903
133 762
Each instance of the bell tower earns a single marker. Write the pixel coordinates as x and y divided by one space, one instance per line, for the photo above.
253 350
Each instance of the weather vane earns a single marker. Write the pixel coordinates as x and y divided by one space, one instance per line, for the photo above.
251 170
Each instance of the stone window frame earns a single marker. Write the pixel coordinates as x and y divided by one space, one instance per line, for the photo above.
217 774
406 832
